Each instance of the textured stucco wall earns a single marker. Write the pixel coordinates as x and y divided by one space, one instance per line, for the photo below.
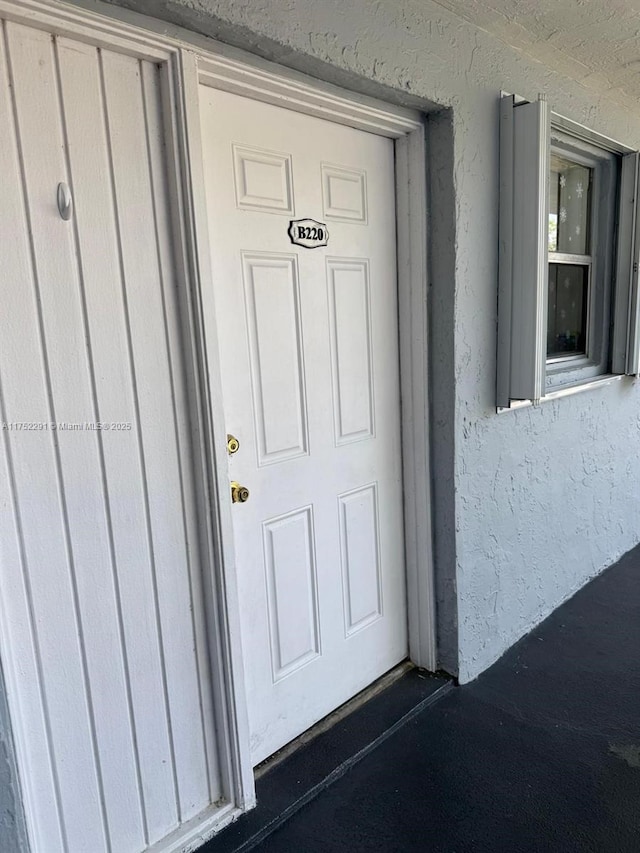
530 504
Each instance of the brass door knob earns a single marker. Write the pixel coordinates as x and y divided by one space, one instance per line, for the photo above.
239 494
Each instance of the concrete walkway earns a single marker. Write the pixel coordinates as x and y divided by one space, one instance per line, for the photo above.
541 753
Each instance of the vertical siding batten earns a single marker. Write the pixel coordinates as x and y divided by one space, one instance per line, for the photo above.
161 455
29 707
85 143
166 802
68 699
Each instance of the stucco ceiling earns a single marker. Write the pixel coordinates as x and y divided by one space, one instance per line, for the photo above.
594 41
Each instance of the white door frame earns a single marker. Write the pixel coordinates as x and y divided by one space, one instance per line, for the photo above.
185 66
232 70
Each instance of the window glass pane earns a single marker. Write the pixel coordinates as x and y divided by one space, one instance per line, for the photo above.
567 313
569 206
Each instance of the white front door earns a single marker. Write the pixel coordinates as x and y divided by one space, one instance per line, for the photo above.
308 342
101 610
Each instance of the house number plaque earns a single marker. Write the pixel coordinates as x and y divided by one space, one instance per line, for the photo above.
308 233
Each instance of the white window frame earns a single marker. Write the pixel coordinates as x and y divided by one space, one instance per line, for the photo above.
562 371
524 374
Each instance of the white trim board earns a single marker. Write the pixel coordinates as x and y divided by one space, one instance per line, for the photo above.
263 81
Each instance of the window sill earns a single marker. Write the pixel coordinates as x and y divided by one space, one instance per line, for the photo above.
567 391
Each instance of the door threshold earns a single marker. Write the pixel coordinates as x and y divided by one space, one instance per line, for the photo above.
302 770
334 717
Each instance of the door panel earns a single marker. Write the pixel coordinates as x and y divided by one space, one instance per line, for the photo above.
272 303
102 615
360 557
351 349
291 576
309 364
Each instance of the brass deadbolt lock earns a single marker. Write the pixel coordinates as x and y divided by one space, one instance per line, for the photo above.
239 494
233 445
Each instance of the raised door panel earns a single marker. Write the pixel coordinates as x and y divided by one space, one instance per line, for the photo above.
262 180
360 557
290 564
344 193
272 301
351 353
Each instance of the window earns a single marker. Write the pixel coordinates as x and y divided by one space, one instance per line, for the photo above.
568 254
570 259
583 183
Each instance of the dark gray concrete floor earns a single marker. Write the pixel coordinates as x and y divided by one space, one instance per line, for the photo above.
540 755
331 753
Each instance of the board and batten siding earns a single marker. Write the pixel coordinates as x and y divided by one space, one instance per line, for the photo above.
102 631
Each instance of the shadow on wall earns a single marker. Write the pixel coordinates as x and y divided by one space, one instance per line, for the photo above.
441 304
